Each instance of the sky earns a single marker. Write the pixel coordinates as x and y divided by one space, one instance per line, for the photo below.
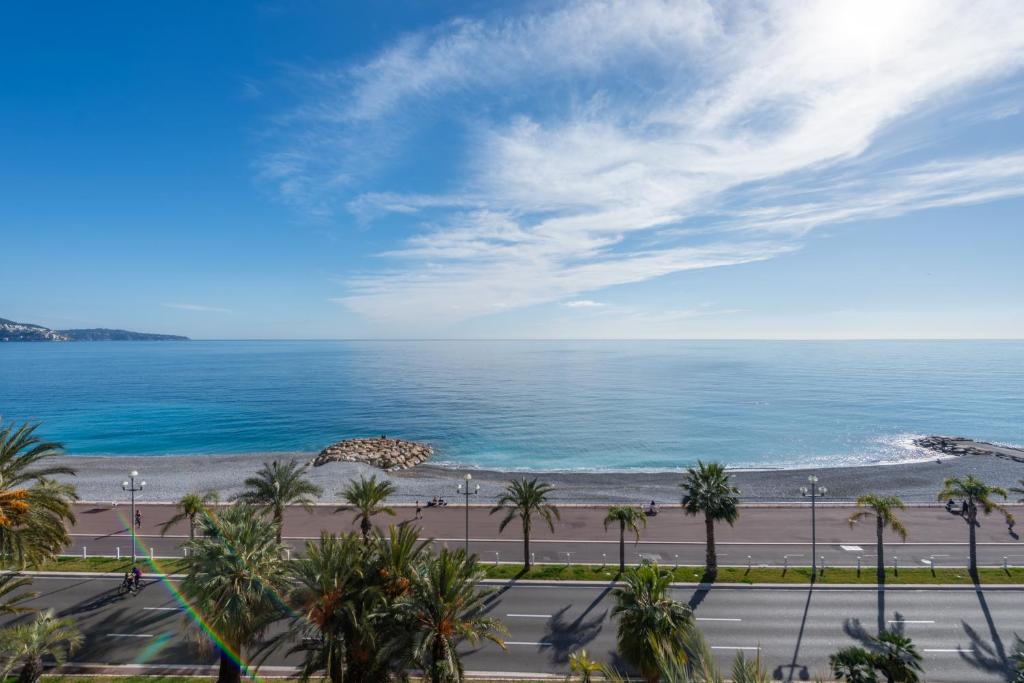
409 169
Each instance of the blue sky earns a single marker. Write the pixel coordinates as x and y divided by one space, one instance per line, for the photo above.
537 169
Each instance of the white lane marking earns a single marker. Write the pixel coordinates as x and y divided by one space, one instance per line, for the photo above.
163 609
939 649
718 619
911 621
530 616
522 642
852 548
735 647
130 635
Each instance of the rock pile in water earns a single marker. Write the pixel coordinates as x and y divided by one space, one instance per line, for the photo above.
958 445
387 454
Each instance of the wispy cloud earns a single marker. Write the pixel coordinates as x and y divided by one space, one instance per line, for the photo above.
610 143
583 303
197 307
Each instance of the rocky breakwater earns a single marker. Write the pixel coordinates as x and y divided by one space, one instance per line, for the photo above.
387 454
958 445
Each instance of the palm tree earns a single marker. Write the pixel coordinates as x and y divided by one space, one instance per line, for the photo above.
331 604
9 599
628 518
649 619
582 667
28 644
235 580
974 493
190 507
397 557
445 607
278 485
366 497
35 510
525 498
708 492
897 657
883 509
854 665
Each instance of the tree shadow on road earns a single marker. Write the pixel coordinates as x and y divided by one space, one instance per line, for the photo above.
563 636
855 629
988 655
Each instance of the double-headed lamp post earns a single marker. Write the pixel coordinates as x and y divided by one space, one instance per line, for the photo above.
130 487
464 488
814 492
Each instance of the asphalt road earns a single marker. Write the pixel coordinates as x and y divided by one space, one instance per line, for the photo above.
965 634
768 535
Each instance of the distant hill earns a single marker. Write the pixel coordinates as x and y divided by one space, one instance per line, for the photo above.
12 331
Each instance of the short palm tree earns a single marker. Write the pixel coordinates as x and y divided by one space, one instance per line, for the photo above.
190 507
235 580
278 485
897 657
444 608
367 497
627 517
28 644
883 509
524 498
854 665
11 595
707 491
649 619
975 493
582 668
35 510
331 604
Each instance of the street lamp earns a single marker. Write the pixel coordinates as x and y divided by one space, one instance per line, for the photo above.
130 487
464 489
814 492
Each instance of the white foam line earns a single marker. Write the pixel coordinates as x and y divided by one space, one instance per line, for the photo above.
130 635
530 616
718 619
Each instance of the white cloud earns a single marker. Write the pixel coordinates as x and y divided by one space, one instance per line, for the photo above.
621 142
196 307
583 303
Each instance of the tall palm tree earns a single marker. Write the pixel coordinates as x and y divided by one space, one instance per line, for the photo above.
366 497
707 491
277 485
975 493
235 580
649 619
883 509
27 644
35 510
397 558
445 607
190 507
628 517
10 598
525 498
331 603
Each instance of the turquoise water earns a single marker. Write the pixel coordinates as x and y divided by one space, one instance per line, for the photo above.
523 405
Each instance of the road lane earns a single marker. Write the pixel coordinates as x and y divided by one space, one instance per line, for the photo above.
966 635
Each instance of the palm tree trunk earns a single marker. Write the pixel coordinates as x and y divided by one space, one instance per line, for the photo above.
880 549
192 527
711 559
972 521
32 671
229 670
437 655
622 546
526 547
364 527
279 521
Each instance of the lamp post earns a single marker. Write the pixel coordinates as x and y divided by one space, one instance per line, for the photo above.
130 487
465 489
814 492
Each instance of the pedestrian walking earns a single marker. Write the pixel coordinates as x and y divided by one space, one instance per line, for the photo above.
138 519
419 511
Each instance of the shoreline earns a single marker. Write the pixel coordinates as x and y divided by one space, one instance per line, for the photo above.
171 476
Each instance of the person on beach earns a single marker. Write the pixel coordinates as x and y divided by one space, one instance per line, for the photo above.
138 519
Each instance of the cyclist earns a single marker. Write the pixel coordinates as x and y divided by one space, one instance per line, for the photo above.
136 577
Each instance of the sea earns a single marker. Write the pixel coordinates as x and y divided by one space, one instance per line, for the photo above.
523 405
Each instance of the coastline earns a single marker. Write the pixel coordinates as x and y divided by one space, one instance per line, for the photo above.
169 477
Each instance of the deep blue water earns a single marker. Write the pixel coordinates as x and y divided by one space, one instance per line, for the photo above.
533 405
